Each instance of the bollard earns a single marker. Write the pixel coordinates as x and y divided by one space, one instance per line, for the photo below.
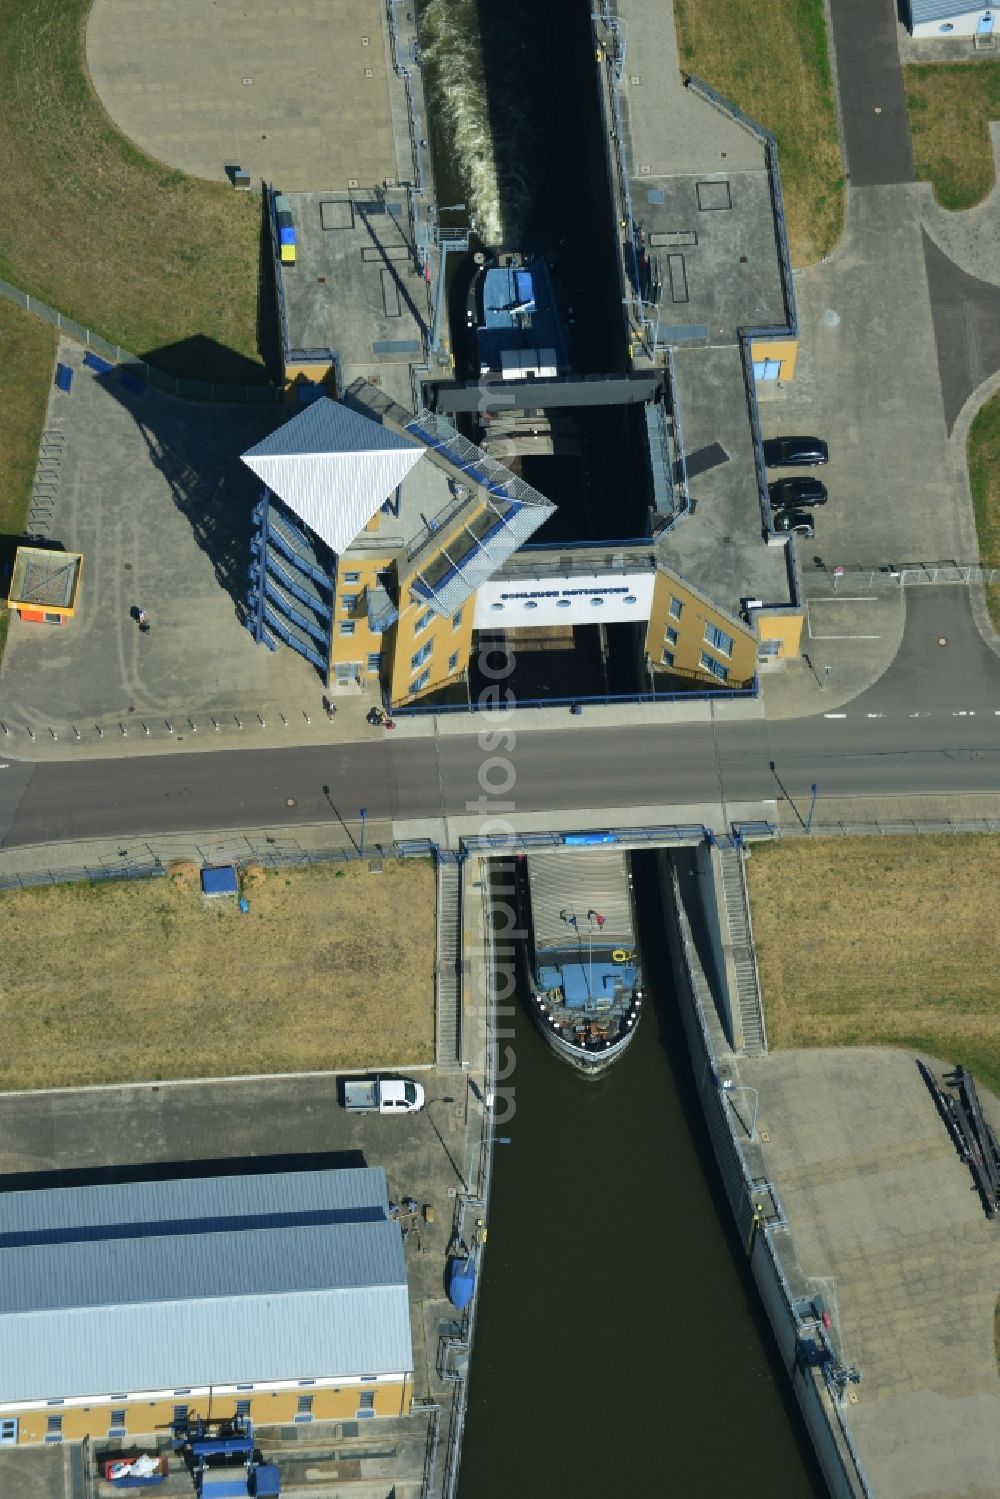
215 723
31 733
170 727
284 720
263 721
53 733
76 732
194 726
238 723
305 715
145 727
124 730
5 728
100 731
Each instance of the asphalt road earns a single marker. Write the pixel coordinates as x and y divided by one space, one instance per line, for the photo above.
872 102
930 725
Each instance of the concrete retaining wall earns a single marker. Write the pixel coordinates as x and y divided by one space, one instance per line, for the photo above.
828 1431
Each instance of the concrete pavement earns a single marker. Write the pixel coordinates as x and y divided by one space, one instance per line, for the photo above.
888 1232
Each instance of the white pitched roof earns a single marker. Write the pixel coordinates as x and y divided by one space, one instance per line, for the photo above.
334 468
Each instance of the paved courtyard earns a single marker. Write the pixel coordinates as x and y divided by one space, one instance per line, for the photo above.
887 1228
297 95
153 492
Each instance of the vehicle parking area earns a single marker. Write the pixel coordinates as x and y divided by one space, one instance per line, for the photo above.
867 382
152 491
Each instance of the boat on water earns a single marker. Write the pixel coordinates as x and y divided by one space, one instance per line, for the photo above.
583 969
517 333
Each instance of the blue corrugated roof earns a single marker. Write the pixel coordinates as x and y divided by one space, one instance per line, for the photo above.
942 10
102 1290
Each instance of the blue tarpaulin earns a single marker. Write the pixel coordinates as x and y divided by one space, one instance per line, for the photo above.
219 879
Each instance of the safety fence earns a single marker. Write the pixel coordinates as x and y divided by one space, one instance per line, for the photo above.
894 575
493 701
273 853
747 832
804 1342
140 369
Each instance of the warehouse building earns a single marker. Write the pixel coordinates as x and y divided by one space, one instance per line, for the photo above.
123 1308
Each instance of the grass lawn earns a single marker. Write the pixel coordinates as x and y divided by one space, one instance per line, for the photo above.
984 477
882 941
950 106
734 47
27 352
138 252
332 967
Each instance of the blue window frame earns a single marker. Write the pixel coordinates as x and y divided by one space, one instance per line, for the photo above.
419 683
718 640
453 662
421 656
715 667
423 621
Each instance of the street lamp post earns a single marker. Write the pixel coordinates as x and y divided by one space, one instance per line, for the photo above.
812 807
364 814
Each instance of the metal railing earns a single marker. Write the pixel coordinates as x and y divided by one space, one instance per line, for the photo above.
157 379
892 575
596 700
747 1194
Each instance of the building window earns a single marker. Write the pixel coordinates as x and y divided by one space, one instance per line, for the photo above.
421 656
671 636
456 620
715 667
453 662
305 1408
423 622
351 577
53 1431
562 603
531 604
667 658
8 1431
349 602
597 603
180 1415
117 1422
243 1407
347 626
948 26
367 1401
718 640
676 607
375 661
496 608
419 683
769 648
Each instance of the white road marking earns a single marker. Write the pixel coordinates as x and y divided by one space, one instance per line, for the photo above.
834 715
844 598
843 637
874 715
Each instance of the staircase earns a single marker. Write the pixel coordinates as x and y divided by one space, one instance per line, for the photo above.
447 1038
741 943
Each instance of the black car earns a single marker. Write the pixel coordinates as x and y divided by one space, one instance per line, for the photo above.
786 494
795 452
799 521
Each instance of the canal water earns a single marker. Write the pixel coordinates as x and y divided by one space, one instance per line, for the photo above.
620 1349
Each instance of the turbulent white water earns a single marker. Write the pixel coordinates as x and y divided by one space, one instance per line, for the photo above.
452 45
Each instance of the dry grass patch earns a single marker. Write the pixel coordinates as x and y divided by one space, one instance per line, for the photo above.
144 255
983 454
331 967
882 941
950 106
770 57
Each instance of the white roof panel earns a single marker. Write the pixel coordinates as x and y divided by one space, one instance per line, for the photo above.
333 467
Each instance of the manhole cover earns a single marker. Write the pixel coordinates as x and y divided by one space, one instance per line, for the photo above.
942 640
831 319
247 82
127 566
289 801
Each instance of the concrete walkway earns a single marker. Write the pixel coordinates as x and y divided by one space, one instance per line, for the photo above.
887 1229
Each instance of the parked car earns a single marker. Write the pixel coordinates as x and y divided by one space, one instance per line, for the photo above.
795 452
789 494
381 1095
799 521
